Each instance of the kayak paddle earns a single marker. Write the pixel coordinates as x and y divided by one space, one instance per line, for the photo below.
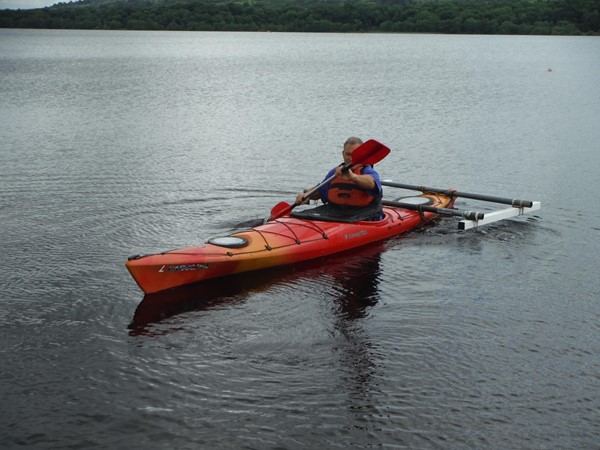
367 154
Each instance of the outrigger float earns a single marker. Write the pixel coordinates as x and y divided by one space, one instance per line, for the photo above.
289 237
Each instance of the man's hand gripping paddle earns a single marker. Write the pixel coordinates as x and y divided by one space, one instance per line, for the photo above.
367 154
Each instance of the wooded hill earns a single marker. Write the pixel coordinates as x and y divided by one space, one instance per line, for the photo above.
558 17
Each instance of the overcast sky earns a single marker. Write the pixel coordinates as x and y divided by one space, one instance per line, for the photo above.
27 4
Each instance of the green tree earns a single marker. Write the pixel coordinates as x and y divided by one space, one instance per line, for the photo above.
427 21
564 27
446 16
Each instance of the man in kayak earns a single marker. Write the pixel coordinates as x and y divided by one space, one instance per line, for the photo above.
356 193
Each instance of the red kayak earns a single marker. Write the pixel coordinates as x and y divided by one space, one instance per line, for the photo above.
291 237
282 241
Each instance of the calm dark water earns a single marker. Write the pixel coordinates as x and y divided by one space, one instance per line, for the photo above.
117 143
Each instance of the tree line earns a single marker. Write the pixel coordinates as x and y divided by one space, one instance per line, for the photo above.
543 17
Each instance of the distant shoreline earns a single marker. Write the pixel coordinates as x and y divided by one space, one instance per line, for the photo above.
499 17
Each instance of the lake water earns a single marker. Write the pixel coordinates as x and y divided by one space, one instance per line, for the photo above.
120 143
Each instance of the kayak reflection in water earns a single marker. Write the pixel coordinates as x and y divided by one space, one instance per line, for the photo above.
358 285
355 278
355 192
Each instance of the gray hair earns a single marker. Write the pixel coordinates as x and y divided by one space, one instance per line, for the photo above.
353 141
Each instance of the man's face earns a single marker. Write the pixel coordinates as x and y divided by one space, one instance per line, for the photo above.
347 153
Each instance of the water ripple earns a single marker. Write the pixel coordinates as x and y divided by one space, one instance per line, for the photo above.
435 339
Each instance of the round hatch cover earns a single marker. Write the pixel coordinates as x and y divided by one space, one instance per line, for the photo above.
229 241
415 200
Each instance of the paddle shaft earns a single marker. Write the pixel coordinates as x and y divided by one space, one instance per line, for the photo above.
470 215
307 195
283 208
485 198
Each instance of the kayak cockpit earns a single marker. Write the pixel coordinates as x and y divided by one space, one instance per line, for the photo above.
335 213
